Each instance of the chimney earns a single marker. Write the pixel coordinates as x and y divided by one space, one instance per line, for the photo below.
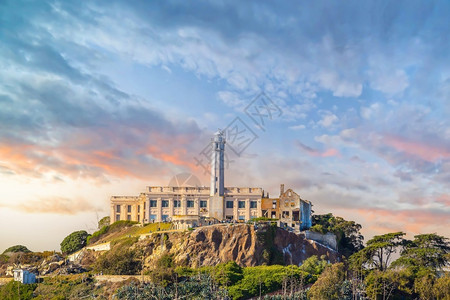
282 189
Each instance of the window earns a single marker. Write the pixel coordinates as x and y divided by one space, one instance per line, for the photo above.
274 204
153 203
165 218
129 217
129 208
241 217
229 217
176 203
285 214
273 215
203 204
117 218
253 204
139 218
229 204
118 208
152 217
165 203
139 208
190 203
241 204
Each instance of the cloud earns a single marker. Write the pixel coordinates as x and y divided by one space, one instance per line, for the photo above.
57 205
411 221
328 119
297 127
315 152
416 149
340 87
388 81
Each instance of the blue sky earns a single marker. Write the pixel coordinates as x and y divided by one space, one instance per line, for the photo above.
101 99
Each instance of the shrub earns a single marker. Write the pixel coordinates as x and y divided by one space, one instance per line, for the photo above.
228 274
313 265
74 241
265 279
17 248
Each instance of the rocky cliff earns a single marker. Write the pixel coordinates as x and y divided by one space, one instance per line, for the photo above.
246 244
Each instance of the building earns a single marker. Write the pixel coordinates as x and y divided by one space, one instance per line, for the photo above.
24 276
170 203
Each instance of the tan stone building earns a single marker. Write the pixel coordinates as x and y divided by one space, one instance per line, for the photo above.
291 210
171 203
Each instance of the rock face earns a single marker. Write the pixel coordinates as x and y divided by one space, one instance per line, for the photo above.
246 244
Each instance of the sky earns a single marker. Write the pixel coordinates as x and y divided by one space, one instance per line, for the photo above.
346 102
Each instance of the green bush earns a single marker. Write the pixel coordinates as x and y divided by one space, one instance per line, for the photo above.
313 265
265 279
74 241
16 290
17 248
228 274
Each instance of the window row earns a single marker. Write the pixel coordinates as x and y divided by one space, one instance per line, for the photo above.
177 203
128 208
241 204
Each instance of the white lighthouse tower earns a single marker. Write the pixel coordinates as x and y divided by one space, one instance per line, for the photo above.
217 187
217 164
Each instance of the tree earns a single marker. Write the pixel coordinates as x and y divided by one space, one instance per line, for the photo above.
228 274
74 241
329 284
313 265
17 248
384 284
378 252
426 251
348 236
104 222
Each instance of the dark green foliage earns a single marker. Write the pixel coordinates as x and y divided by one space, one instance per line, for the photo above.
313 265
104 222
378 252
228 274
17 248
201 286
348 236
427 251
265 279
266 236
389 283
74 241
16 290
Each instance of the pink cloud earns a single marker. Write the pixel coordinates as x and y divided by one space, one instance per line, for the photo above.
426 152
317 153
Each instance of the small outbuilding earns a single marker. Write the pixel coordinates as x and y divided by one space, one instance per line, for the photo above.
24 276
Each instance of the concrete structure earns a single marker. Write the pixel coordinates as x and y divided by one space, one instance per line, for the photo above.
165 203
328 239
24 276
